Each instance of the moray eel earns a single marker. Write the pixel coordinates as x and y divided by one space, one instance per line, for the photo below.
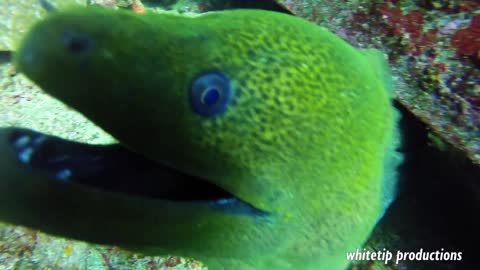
249 139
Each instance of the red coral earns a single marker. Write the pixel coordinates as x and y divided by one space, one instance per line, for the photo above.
392 14
411 24
426 40
467 40
441 67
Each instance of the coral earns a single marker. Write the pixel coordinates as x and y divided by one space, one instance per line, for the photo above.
410 24
467 40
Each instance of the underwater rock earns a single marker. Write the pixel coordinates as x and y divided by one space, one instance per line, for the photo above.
433 50
22 248
16 16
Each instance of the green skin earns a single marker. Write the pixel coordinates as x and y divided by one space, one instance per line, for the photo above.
308 136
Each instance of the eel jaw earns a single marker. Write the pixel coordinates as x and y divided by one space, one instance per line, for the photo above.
115 169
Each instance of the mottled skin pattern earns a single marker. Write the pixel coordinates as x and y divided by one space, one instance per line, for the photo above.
306 136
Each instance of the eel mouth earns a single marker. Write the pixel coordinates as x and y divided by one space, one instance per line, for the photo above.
114 168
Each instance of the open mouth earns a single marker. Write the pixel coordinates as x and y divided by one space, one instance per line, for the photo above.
114 168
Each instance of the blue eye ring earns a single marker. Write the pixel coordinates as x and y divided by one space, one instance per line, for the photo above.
210 93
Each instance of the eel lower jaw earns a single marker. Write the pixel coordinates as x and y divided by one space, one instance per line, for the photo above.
114 168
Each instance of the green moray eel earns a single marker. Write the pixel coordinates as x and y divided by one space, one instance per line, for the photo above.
262 141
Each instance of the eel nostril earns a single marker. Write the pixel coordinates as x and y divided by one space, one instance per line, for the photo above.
76 43
47 6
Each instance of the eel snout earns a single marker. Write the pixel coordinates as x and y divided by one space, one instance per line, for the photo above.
32 161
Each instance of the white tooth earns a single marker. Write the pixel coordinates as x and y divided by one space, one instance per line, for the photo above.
25 155
22 141
38 140
225 201
64 174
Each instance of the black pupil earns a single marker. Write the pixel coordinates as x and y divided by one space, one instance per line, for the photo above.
76 43
211 96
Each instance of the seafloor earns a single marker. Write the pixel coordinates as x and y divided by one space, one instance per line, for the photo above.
434 50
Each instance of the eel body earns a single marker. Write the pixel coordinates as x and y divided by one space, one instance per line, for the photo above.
287 133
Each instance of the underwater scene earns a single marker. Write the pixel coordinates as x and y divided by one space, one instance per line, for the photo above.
240 134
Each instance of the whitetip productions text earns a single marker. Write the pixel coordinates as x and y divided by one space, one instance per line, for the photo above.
398 256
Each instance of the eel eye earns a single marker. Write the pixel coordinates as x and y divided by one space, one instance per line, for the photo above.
76 43
210 93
